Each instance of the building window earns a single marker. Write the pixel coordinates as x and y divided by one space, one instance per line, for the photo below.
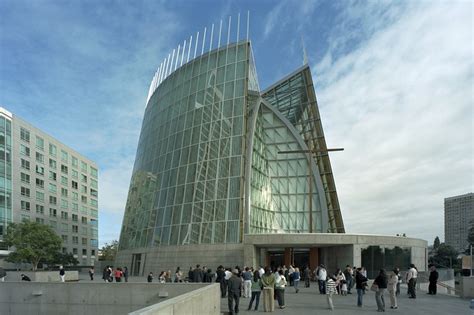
25 164
94 243
39 196
84 167
25 218
25 191
64 168
39 183
83 178
75 174
64 180
40 209
53 224
64 156
24 150
84 199
94 172
94 203
64 204
83 189
39 158
84 220
39 143
64 192
52 188
94 213
52 175
53 200
75 229
84 209
74 161
84 230
40 220
75 207
52 149
25 205
75 217
64 227
93 183
93 192
52 163
52 212
24 134
84 241
84 252
39 170
74 251
74 184
75 240
64 237
25 178
64 215
75 196
94 222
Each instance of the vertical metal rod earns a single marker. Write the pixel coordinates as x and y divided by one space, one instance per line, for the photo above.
220 32
171 63
212 37
189 49
161 73
196 45
248 19
228 30
182 54
238 26
310 194
167 64
203 40
177 58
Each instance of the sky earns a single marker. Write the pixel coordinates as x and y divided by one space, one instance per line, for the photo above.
394 82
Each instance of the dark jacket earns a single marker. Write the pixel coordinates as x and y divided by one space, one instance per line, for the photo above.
434 276
361 281
197 275
234 285
381 281
220 275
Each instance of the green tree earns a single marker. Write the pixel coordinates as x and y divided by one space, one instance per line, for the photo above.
60 258
108 251
436 243
32 242
445 256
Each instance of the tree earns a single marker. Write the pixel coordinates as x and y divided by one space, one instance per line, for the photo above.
436 243
108 251
32 243
60 258
445 256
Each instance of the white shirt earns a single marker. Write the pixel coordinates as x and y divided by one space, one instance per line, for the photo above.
412 273
261 271
228 274
322 274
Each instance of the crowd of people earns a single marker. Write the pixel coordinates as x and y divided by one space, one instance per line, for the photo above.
271 283
110 273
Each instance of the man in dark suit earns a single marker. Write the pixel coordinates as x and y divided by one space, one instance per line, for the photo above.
234 287
433 280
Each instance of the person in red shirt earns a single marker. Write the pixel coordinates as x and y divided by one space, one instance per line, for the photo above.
118 274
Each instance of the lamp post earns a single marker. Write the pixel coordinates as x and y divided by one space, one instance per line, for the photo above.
310 176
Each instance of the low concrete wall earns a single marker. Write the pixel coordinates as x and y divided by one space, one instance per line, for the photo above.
43 276
205 300
86 298
467 287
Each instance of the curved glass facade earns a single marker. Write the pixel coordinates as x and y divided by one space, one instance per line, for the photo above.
207 168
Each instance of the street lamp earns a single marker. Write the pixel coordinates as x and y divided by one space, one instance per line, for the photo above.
310 176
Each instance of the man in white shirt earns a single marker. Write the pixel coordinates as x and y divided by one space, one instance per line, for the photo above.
412 275
261 271
322 275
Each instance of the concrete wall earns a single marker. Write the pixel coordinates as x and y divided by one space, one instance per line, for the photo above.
87 298
467 287
169 257
205 300
43 276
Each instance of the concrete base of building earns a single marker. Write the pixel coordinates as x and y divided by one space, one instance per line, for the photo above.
312 249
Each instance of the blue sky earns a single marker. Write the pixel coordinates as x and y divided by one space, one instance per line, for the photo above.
393 80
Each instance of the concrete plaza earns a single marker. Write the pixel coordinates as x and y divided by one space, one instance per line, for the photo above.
309 301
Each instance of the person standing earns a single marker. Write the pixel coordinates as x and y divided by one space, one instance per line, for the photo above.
280 284
118 275
381 282
247 276
91 273
197 274
322 277
411 279
268 282
330 291
397 293
307 277
125 273
392 288
361 283
105 274
434 275
256 290
234 287
3 274
348 274
178 275
62 274
296 279
150 277
221 279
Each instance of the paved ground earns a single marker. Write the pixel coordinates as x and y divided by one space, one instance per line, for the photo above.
309 301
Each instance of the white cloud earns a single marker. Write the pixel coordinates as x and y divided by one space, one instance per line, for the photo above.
401 104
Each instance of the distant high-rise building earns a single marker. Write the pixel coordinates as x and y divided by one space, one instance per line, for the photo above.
45 181
458 214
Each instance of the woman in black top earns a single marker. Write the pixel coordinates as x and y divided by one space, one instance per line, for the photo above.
361 283
381 282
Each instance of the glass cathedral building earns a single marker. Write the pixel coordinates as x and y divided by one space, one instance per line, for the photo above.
211 166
